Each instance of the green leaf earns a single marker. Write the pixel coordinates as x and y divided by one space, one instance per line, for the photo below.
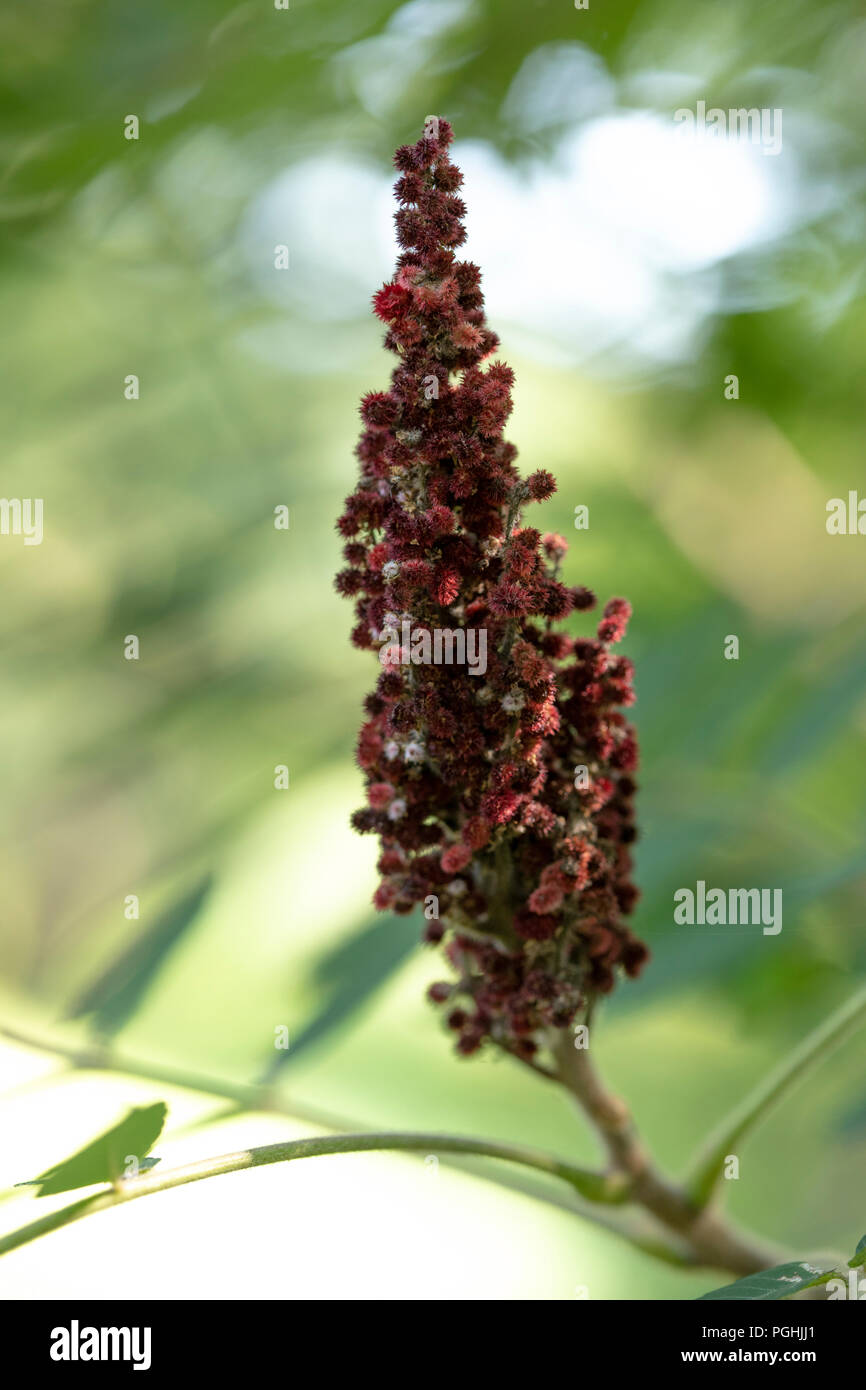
350 975
709 1166
859 1257
113 998
777 1283
106 1158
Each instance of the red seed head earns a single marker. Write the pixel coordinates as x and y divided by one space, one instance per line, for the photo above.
473 774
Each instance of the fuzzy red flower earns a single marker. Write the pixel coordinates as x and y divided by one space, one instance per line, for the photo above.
390 301
456 858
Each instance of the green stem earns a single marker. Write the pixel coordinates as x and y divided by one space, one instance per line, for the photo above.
596 1187
242 1099
708 1168
244 1096
248 1098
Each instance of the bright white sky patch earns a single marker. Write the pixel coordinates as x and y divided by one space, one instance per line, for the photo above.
607 254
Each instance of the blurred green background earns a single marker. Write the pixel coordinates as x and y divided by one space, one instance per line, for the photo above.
629 273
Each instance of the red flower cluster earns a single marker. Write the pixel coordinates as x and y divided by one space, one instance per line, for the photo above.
503 802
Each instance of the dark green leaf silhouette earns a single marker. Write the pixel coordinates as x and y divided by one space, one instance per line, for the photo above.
350 975
773 1284
859 1256
113 998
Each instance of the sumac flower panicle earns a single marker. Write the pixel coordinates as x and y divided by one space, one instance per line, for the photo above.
472 782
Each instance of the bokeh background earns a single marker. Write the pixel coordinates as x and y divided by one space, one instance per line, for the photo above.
628 271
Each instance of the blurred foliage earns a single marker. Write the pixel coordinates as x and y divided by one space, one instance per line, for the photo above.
112 999
147 777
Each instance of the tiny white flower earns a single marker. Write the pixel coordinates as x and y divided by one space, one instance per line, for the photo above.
513 701
390 569
414 752
397 809
457 887
392 750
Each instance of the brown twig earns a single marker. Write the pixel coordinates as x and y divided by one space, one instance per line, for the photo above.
712 1240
